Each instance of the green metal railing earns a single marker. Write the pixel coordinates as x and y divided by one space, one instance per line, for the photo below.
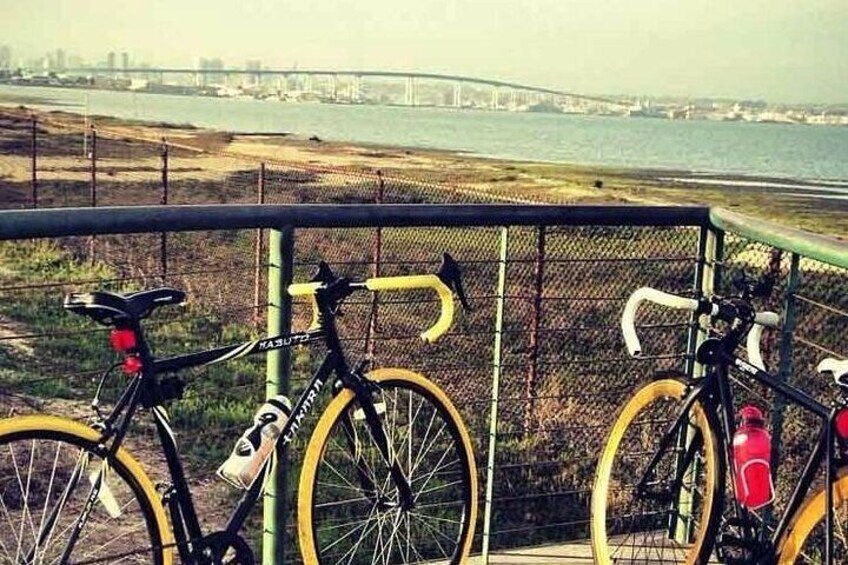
547 283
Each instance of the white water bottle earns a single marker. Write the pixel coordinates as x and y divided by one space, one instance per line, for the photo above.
256 444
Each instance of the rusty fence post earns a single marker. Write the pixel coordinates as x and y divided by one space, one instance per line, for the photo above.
34 155
533 366
92 187
163 237
376 269
257 260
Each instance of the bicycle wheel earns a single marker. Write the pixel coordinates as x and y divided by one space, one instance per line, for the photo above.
47 468
657 526
348 509
804 543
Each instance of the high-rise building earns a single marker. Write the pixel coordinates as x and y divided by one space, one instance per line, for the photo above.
254 65
110 60
125 60
204 64
5 57
60 61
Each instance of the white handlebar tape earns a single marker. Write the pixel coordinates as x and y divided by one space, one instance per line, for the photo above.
628 318
769 319
761 321
835 366
755 357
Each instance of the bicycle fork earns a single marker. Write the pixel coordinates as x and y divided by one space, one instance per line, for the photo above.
372 418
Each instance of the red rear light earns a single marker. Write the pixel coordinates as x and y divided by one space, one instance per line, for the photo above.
842 423
122 340
132 365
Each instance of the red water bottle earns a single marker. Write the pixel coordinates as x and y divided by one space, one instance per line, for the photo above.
752 460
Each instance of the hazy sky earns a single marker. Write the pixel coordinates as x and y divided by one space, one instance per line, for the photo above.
781 50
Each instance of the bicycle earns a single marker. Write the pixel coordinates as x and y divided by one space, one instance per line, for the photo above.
660 484
388 474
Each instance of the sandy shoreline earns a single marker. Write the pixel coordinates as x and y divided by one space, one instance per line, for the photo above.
817 206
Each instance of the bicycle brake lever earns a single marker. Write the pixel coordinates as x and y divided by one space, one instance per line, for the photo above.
323 274
450 274
763 287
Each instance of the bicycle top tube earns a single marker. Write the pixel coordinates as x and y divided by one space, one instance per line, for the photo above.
125 312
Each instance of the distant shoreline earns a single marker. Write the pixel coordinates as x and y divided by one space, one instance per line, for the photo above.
820 206
596 138
691 176
672 175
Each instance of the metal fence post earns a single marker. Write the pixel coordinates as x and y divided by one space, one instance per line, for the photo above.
496 377
34 153
785 365
93 187
378 258
706 276
533 370
709 253
257 257
280 272
163 238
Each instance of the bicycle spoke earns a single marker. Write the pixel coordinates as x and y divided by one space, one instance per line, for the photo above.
352 551
436 531
24 500
42 500
361 525
424 444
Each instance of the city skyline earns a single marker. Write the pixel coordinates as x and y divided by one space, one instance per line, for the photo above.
775 50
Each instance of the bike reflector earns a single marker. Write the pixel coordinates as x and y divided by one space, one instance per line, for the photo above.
379 407
122 340
842 423
132 365
97 478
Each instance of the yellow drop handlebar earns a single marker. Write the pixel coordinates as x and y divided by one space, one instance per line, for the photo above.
307 289
395 283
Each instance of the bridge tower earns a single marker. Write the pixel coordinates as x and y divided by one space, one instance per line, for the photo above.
333 87
457 94
356 91
411 93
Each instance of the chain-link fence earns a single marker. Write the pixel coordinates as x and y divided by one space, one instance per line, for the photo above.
560 364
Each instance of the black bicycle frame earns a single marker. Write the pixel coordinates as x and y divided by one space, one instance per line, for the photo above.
714 394
824 450
146 390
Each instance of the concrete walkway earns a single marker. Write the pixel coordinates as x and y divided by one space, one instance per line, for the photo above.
577 553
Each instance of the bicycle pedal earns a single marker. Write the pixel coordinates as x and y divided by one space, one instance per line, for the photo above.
379 407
